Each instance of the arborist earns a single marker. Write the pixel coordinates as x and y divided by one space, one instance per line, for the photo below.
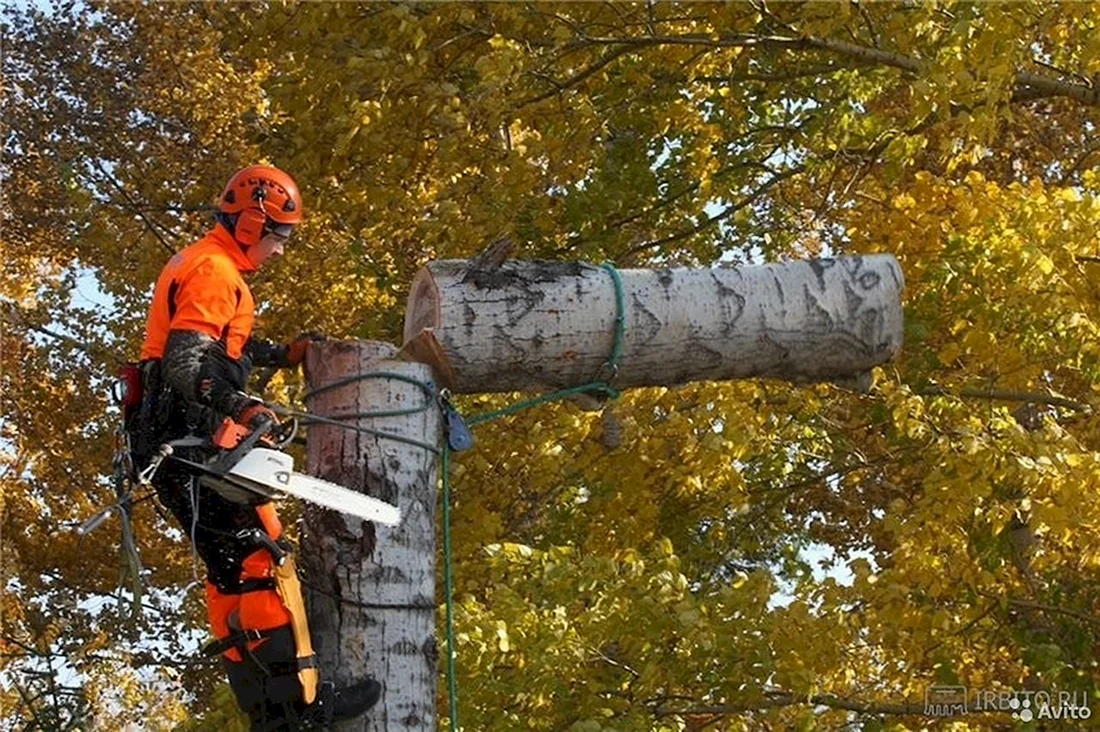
196 359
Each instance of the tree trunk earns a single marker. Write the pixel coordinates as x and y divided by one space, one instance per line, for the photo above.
371 590
536 325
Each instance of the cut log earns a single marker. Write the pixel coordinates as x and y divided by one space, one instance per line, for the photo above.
532 325
371 588
424 348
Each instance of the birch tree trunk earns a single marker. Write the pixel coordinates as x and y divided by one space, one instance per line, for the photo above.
373 611
535 325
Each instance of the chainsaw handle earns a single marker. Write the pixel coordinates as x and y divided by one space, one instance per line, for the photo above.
285 433
263 425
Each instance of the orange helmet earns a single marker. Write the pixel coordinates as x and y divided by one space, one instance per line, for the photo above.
265 191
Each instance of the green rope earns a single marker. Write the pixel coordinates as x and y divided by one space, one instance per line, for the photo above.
595 386
393 376
620 319
599 386
340 419
448 586
312 419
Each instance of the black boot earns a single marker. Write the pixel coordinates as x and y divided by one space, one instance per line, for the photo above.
351 701
339 705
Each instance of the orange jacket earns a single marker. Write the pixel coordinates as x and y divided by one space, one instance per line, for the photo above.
201 289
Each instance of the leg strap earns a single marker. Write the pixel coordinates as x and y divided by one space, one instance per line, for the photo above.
238 639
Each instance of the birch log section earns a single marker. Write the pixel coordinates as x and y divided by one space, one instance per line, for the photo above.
535 325
371 591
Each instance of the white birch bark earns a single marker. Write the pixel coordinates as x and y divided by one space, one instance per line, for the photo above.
537 325
374 609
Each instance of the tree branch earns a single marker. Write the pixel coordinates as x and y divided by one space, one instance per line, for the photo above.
1007 396
601 656
1086 81
1028 604
14 310
823 69
133 205
1078 164
870 26
840 472
775 700
1025 80
672 198
577 78
718 217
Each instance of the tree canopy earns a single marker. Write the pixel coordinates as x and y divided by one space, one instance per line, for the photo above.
656 565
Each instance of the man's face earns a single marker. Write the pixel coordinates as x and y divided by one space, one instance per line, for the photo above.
270 245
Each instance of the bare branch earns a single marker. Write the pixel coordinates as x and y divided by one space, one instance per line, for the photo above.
1085 93
821 70
672 198
961 631
774 700
1007 396
133 205
1083 79
600 655
867 21
1030 605
1078 164
1091 619
14 310
746 40
560 86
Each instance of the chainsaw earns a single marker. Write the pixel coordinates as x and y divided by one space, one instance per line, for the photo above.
249 466
244 465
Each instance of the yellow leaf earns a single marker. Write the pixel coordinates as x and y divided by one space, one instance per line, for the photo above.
949 353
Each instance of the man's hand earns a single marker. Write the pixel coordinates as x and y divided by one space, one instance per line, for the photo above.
256 414
296 349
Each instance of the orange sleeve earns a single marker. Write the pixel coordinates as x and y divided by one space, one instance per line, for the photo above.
207 299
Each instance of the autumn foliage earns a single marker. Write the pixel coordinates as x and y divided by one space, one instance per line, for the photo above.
752 555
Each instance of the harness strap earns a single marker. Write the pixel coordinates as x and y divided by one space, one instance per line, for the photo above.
238 639
256 584
241 638
288 668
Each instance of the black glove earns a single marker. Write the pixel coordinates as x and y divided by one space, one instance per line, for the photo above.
265 354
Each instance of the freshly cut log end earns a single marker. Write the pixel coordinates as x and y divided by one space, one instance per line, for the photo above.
423 309
542 325
424 348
